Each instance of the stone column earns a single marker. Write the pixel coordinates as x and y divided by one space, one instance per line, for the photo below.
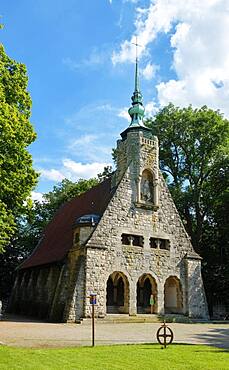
196 304
156 193
132 298
139 189
160 298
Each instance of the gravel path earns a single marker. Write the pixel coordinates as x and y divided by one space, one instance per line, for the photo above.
24 333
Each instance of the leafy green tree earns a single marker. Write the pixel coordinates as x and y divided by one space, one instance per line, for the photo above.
17 176
107 172
31 226
193 149
215 242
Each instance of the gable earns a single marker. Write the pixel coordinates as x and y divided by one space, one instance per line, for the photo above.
124 218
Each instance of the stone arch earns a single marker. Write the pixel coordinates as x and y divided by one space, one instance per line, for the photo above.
173 295
147 186
117 293
146 286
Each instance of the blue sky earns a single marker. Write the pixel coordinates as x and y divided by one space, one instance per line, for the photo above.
80 56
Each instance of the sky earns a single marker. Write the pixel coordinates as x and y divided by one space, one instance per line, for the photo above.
80 61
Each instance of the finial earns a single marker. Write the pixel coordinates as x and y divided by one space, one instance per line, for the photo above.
137 110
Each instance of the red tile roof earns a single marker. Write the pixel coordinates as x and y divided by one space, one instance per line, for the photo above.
58 235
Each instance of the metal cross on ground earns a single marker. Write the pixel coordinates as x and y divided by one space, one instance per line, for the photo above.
166 333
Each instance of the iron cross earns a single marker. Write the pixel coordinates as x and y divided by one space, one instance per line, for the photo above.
136 44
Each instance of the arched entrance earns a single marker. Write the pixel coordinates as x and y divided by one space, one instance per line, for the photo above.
173 296
117 293
145 287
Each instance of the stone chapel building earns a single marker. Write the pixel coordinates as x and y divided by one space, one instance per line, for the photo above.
123 240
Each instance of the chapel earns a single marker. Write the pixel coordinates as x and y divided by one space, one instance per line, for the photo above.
122 240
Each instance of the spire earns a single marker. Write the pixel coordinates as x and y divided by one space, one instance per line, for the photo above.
137 88
137 110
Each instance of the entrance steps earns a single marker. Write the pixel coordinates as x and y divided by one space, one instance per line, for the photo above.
139 318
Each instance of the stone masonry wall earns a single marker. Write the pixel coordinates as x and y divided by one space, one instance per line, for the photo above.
75 299
196 296
106 254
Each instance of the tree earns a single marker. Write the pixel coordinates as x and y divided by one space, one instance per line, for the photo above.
215 242
193 149
194 160
17 176
30 228
107 172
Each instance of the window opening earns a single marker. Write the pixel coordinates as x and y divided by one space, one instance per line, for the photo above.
135 240
157 243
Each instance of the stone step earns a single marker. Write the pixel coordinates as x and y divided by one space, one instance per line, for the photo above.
140 318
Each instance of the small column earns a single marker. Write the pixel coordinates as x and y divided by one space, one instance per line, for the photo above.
132 299
156 193
139 189
160 299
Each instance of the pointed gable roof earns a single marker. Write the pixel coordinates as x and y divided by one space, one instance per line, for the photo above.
58 234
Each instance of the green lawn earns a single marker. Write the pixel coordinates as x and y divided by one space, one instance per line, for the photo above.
124 357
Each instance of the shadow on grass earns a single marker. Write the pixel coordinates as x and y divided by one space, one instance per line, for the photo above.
155 346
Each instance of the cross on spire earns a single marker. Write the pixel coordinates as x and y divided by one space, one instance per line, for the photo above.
136 44
136 112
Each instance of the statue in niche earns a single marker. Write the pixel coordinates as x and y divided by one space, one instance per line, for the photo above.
147 187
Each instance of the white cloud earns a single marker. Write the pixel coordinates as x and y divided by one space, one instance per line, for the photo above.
91 147
123 113
75 170
93 142
150 109
148 23
200 49
37 196
149 71
52 174
127 52
83 140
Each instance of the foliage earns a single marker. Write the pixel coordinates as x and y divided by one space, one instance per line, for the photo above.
194 159
17 176
31 226
107 172
133 357
193 146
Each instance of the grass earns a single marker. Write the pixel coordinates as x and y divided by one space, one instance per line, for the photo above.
126 357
